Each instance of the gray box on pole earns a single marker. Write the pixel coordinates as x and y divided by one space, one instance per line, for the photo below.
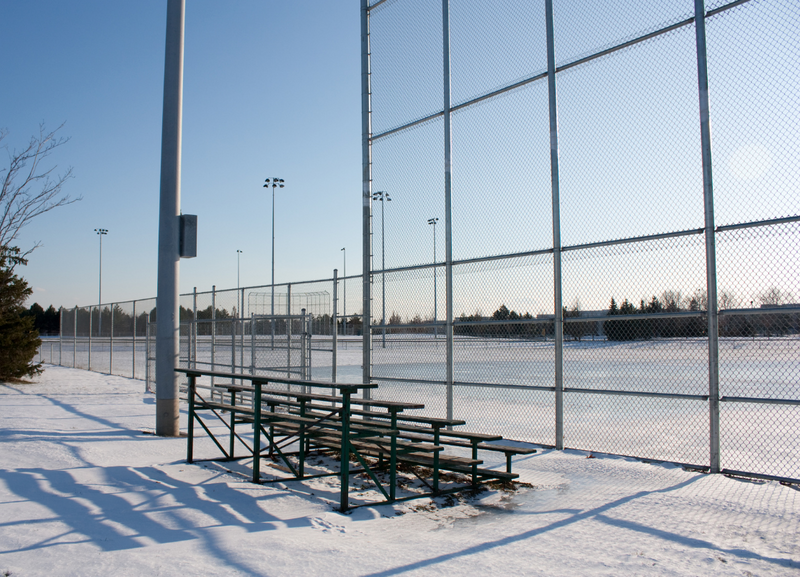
188 236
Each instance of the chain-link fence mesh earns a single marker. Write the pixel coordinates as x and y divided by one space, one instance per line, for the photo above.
606 293
587 235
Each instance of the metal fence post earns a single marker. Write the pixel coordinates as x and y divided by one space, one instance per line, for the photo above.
147 355
241 334
234 323
711 254
335 331
252 344
366 194
554 179
75 338
193 331
111 343
309 334
448 226
213 329
304 326
289 322
60 333
133 361
90 339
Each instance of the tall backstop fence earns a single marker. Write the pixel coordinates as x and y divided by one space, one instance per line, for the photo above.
543 195
554 246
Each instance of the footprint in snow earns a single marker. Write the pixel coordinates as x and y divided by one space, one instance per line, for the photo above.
327 526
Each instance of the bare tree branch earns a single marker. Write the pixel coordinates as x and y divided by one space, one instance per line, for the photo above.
28 190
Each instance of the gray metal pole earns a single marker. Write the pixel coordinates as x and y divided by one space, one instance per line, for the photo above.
100 232
344 290
90 339
75 339
383 266
289 330
60 334
435 291
241 335
554 180
711 251
133 348
272 309
193 331
304 326
366 195
100 289
252 343
234 323
168 319
335 331
448 221
111 343
213 329
147 355
100 274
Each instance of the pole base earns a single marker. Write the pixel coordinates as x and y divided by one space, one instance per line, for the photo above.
167 418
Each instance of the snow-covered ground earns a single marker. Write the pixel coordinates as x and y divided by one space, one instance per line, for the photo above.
85 489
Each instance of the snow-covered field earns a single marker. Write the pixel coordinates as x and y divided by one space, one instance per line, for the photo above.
85 489
756 438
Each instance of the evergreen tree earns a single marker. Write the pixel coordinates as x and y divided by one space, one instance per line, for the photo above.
614 329
51 321
19 340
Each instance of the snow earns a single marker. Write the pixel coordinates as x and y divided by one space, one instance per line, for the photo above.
86 489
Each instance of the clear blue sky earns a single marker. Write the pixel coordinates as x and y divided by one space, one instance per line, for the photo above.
271 88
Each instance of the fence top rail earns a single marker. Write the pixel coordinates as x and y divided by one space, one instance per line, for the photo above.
261 379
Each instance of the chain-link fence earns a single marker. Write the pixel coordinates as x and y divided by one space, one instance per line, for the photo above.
296 331
565 259
112 338
558 255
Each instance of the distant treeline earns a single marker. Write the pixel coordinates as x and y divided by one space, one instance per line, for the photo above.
47 322
506 323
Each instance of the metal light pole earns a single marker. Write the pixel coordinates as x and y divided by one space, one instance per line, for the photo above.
384 197
344 298
238 254
100 232
274 183
433 221
168 317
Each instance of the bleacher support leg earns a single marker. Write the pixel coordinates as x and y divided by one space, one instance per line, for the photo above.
190 432
233 425
257 432
345 464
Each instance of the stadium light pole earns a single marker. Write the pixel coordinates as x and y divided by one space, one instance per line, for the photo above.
168 317
344 299
433 221
384 197
238 254
274 183
101 232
